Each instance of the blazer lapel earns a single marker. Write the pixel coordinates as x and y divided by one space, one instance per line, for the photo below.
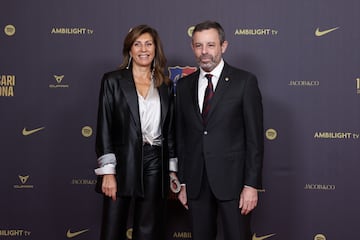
164 101
131 96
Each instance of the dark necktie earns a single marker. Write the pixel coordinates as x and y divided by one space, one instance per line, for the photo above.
209 93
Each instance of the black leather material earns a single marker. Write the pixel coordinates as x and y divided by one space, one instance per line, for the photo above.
119 132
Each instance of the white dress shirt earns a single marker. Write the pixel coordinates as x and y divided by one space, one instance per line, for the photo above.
203 82
150 114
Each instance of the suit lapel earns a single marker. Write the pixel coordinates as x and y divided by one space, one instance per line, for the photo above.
195 95
221 88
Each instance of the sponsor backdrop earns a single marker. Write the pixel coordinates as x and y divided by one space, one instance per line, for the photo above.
305 54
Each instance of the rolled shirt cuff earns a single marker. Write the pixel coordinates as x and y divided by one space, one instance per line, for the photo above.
173 164
107 169
247 186
106 159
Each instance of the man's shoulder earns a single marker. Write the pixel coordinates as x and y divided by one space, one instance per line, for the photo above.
188 78
238 71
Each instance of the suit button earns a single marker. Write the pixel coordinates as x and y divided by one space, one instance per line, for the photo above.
205 132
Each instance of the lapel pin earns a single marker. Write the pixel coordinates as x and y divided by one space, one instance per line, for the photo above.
227 79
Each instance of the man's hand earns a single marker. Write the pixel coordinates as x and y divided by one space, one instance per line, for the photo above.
109 186
248 199
182 197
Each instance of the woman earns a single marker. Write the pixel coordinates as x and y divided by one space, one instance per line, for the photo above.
134 141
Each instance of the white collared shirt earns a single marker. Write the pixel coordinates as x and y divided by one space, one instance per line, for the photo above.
150 116
203 82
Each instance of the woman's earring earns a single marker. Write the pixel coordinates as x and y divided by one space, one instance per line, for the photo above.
127 67
153 71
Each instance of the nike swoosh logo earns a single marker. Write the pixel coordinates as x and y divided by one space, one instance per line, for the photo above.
70 234
319 33
26 132
254 237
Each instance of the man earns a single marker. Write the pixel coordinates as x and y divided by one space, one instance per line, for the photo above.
220 144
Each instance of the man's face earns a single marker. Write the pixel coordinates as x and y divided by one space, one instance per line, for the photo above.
207 48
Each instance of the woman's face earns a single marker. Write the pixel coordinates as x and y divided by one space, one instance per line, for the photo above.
143 50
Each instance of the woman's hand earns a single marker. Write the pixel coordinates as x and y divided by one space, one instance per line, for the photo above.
109 186
174 183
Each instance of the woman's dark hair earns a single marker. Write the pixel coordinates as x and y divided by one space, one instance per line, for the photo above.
160 59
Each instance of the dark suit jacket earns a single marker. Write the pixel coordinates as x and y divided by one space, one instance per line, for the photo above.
119 131
230 148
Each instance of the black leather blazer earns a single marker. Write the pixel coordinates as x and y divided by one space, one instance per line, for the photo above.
119 131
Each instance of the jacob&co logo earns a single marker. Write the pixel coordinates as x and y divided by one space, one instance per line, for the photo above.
23 180
322 187
70 234
83 181
304 83
7 85
320 33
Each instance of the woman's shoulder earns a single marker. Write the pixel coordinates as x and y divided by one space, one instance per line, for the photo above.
118 73
116 76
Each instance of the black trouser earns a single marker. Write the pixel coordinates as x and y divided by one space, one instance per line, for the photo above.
204 214
148 219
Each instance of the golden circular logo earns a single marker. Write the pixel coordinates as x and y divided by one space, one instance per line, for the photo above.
9 30
190 31
319 237
129 233
271 134
86 131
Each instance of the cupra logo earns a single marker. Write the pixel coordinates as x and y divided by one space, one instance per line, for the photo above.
23 179
319 33
26 132
70 234
58 78
254 237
